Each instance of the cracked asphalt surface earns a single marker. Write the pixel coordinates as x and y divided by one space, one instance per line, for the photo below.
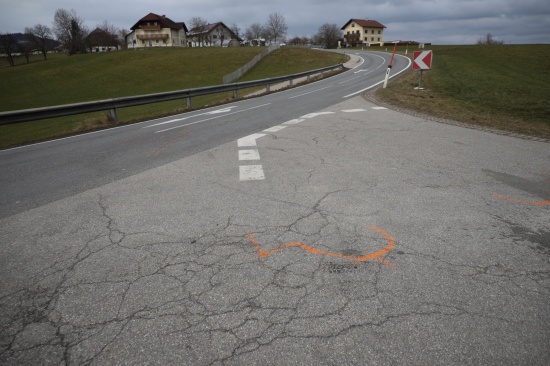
159 268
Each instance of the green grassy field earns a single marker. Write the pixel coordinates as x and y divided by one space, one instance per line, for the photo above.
63 79
506 87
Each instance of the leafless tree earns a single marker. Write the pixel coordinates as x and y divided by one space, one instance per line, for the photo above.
25 48
275 27
70 31
198 29
40 36
489 39
121 37
328 35
255 31
235 29
7 46
105 35
299 41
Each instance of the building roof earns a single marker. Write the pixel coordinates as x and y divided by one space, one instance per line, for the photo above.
208 28
162 19
365 23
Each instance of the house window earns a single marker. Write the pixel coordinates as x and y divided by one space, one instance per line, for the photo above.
353 25
366 38
378 39
373 31
378 32
372 39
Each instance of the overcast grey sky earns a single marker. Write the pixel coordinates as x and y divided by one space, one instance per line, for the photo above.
435 21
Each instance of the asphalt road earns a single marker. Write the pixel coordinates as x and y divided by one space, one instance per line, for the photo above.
344 235
36 175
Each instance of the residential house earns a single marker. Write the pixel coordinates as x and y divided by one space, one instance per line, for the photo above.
101 41
366 32
212 35
157 31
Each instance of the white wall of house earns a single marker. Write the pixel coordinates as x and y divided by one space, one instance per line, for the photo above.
164 37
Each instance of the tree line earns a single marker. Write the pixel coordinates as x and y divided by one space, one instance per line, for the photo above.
72 35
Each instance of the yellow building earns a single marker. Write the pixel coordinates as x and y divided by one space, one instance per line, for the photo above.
157 31
358 32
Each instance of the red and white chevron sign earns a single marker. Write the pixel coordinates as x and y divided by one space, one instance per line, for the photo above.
422 60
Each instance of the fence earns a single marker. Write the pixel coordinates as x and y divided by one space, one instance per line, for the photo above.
241 71
112 104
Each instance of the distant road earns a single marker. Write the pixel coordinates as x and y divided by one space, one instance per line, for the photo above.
41 173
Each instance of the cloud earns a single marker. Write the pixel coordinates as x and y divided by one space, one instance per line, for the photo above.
436 21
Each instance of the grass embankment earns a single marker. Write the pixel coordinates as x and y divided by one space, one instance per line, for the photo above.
504 87
63 80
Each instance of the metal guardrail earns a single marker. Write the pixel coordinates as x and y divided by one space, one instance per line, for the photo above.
35 114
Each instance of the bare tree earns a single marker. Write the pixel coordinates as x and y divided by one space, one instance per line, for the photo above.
198 30
25 48
328 35
275 27
235 29
488 39
8 45
255 31
121 37
70 31
105 35
40 36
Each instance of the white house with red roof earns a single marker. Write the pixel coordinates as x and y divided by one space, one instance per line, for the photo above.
157 31
367 32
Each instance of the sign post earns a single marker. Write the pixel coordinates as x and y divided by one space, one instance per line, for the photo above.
390 65
422 60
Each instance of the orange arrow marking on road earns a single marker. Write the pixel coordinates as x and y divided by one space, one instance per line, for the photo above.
356 258
540 203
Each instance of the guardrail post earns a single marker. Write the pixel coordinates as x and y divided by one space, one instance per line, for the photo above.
188 100
235 94
113 114
267 88
291 82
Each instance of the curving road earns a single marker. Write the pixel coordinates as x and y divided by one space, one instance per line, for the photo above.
307 227
41 173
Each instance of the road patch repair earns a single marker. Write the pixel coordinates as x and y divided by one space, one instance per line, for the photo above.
372 237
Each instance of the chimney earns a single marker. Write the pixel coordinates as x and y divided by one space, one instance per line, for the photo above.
163 16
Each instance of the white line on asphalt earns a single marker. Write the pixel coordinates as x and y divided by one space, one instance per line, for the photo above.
249 140
354 110
357 77
381 81
275 128
211 118
293 121
224 110
251 172
249 155
314 91
313 115
378 108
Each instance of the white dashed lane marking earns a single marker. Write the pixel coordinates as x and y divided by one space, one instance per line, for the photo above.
251 172
256 172
275 129
249 155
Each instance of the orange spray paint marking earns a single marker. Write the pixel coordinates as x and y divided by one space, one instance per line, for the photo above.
540 203
156 152
356 258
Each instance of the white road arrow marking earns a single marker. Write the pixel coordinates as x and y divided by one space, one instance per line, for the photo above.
249 140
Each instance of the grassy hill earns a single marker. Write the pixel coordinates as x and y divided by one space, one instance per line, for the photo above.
505 87
63 79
